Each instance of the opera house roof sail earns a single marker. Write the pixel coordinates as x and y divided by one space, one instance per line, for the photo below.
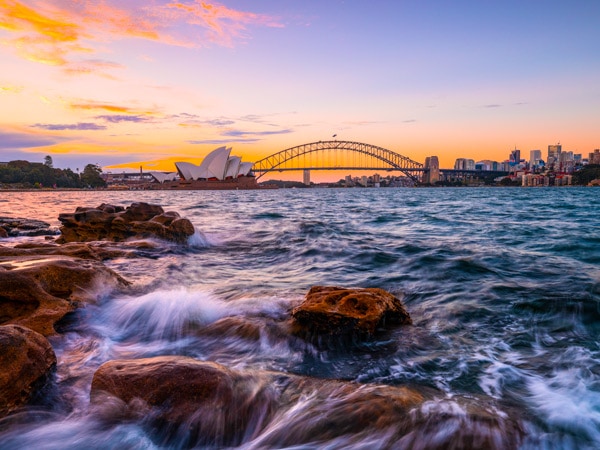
217 165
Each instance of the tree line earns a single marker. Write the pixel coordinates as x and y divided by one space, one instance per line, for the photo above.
25 174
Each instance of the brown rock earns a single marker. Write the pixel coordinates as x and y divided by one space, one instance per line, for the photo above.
97 251
214 406
26 358
17 226
38 292
212 402
115 223
335 311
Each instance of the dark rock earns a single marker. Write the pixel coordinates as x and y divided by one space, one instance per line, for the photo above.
115 223
16 226
335 311
26 359
211 405
38 292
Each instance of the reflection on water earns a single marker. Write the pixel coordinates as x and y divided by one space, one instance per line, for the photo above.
503 286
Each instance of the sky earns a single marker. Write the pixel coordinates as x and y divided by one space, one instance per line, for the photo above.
125 84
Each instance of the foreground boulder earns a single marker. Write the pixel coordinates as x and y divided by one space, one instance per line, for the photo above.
184 402
336 311
220 406
38 292
26 359
116 223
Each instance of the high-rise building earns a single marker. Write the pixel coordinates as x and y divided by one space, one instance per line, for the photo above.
464 164
594 157
554 152
515 157
534 158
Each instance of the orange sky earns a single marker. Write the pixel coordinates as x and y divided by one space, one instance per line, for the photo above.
124 84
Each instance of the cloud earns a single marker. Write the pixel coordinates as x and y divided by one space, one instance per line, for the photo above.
222 24
82 126
51 32
254 133
219 122
222 141
116 118
409 121
12 140
10 89
493 105
41 37
100 106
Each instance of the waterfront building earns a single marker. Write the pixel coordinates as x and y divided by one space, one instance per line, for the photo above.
514 158
464 164
217 165
566 162
535 156
594 157
554 152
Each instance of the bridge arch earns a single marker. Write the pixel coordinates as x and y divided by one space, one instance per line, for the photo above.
290 159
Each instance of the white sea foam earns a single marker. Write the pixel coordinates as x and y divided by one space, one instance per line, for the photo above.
566 402
164 313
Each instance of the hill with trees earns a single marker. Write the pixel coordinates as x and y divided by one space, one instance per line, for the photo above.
25 174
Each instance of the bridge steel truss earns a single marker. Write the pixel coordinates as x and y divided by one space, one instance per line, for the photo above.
323 155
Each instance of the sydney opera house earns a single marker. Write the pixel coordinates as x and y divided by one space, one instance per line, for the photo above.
219 170
217 166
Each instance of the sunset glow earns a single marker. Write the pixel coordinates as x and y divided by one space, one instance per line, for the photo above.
147 83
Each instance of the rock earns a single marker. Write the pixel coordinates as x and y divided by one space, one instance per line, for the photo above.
212 403
191 403
38 292
115 223
335 311
26 359
16 226
220 406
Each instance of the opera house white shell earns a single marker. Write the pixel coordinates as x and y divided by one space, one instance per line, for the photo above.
162 177
217 165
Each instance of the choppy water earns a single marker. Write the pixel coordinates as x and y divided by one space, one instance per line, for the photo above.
503 286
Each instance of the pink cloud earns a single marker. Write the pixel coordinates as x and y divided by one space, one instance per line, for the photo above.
53 31
222 24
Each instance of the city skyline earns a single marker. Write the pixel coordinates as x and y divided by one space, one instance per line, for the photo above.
150 83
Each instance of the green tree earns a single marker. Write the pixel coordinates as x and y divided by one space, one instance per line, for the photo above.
91 176
586 174
48 161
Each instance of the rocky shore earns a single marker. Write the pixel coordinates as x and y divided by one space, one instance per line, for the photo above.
185 402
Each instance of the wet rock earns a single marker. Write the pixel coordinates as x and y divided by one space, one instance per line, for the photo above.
210 402
115 223
335 311
16 226
194 403
98 251
38 292
26 359
234 327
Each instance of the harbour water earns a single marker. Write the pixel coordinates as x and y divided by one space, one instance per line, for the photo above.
502 284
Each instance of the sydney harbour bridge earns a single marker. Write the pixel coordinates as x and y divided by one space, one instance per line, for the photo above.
338 155
350 155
